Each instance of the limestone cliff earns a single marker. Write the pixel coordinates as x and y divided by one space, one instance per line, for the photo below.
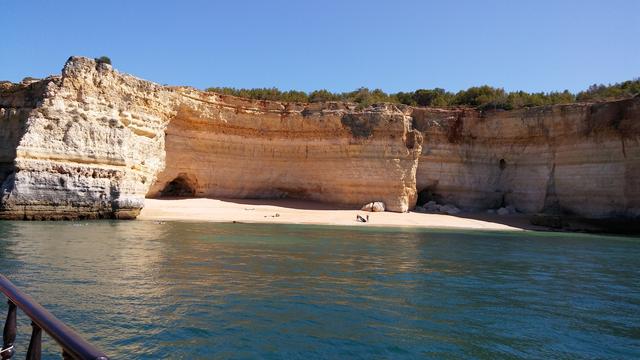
87 144
221 146
581 159
93 143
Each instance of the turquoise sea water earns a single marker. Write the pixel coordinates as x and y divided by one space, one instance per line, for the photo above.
140 290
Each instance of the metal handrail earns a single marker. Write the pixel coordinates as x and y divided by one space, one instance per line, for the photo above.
73 346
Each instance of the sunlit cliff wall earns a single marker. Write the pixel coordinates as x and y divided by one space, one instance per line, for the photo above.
235 148
581 159
87 144
93 143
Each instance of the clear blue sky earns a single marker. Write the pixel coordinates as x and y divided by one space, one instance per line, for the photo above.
534 45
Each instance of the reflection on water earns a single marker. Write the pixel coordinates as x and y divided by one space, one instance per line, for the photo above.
198 291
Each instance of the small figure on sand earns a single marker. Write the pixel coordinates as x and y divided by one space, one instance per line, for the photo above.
361 219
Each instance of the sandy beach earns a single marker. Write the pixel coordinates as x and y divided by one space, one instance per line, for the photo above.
304 212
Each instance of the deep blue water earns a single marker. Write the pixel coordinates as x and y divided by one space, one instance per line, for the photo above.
141 290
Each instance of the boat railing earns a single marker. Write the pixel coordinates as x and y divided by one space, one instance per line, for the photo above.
73 345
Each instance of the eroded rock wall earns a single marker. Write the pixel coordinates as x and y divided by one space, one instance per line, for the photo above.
222 146
16 102
93 143
581 159
89 144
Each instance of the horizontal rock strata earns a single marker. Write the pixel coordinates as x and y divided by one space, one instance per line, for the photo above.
580 159
93 142
225 147
87 144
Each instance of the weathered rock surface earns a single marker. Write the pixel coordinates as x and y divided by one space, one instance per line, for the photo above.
581 159
87 144
227 147
93 143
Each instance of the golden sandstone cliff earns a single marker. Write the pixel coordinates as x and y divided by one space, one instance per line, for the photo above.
235 148
93 143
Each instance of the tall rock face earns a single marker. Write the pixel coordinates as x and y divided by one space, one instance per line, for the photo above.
87 144
93 143
222 146
580 159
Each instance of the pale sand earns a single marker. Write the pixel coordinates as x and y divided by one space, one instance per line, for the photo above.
303 212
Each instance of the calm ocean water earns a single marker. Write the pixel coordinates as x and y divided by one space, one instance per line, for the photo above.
141 290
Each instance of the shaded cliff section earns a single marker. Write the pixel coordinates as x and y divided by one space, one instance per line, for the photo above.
578 160
16 103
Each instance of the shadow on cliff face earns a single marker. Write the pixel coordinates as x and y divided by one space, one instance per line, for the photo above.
16 104
428 194
182 186
361 125
617 116
293 203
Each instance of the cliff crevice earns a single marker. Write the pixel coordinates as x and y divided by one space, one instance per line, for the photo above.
588 153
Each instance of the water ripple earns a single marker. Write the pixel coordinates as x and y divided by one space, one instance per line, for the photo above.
215 291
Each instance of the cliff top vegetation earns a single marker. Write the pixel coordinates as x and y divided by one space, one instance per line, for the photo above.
482 97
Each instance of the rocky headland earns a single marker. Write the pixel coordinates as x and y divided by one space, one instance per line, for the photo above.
93 143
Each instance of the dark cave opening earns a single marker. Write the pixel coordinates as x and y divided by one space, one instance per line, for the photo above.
424 196
181 186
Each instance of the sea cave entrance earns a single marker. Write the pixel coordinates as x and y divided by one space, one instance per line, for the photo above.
428 194
182 186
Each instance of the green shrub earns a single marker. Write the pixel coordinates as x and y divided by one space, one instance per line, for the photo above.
616 91
103 60
482 97
323 95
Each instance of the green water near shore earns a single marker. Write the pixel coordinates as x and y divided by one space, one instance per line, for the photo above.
141 290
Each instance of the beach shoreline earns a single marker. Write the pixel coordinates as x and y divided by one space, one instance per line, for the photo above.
286 211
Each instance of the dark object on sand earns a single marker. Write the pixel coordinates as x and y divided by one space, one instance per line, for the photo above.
361 219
